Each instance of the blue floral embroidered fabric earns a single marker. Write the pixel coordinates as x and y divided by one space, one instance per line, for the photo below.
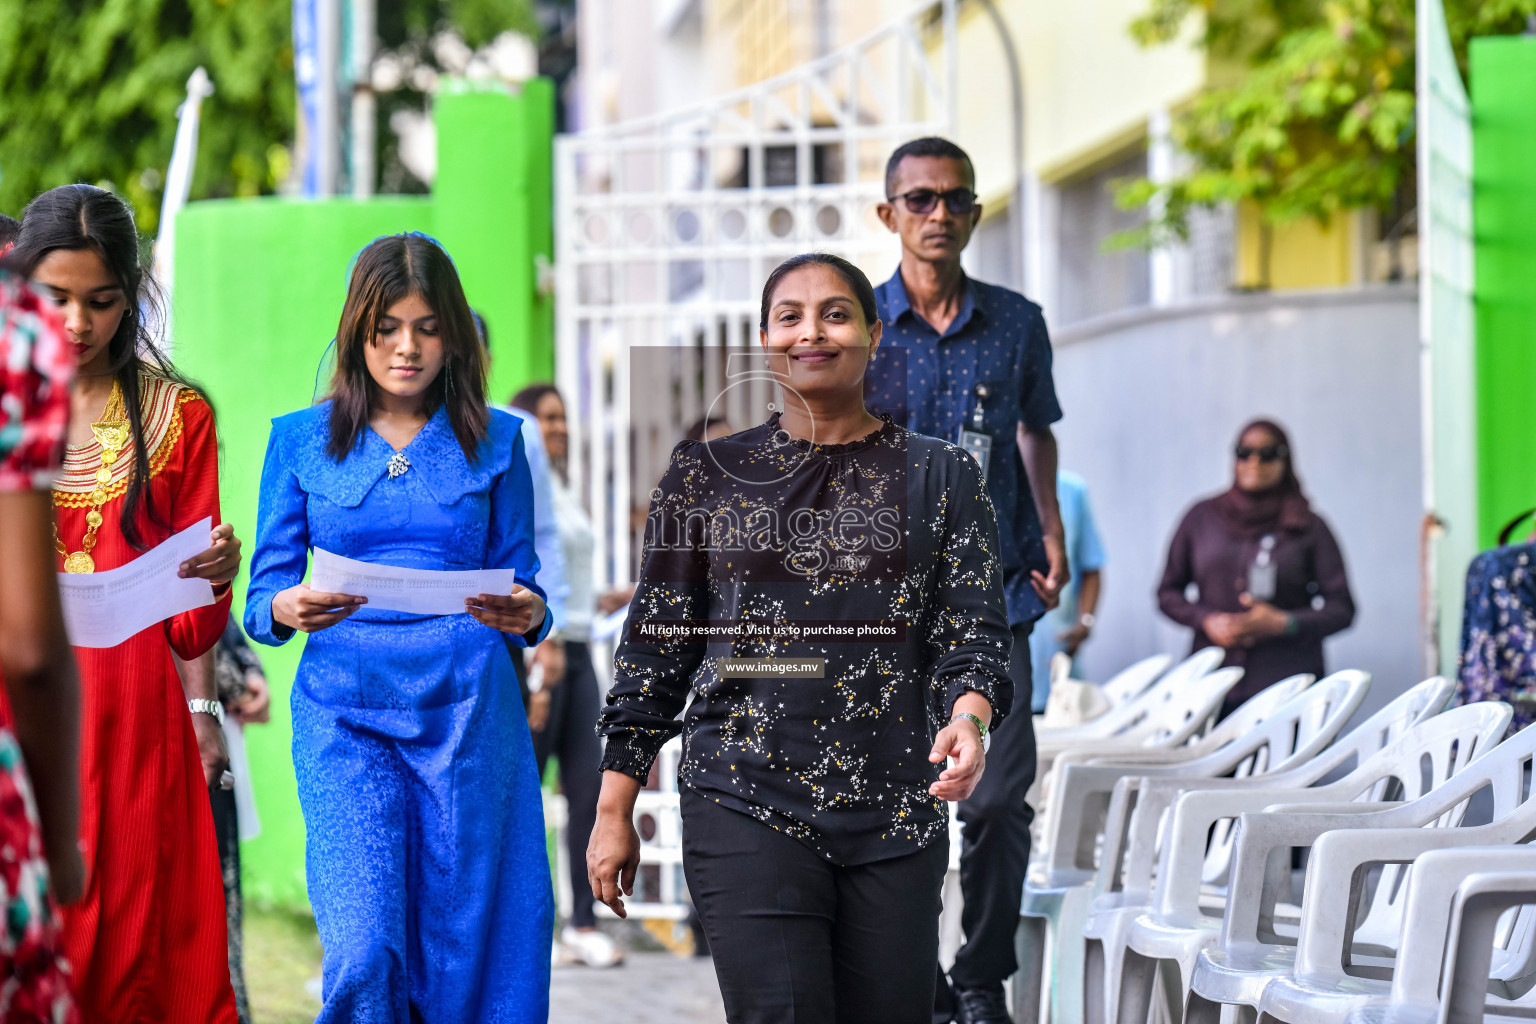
426 861
1498 632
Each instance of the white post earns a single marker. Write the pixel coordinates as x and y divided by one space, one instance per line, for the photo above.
327 140
364 30
178 185
1160 169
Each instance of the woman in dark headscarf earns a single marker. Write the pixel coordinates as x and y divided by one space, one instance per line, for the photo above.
1268 577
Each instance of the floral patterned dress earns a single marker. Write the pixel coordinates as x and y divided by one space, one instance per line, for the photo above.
1498 632
35 368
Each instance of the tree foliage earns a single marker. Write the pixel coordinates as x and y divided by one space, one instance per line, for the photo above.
1314 111
89 89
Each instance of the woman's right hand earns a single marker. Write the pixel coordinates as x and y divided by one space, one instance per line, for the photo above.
613 854
1224 630
309 611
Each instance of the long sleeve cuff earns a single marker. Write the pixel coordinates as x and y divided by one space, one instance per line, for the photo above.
261 626
1186 613
533 639
621 755
999 694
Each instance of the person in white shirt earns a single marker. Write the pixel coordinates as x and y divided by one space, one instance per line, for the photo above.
569 705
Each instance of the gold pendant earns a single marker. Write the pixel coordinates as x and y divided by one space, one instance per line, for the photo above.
79 562
111 436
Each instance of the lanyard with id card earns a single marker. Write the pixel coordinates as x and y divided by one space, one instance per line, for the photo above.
972 438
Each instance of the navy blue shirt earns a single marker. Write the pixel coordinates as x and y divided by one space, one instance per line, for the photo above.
928 381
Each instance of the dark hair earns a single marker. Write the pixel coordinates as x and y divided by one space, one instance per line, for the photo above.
700 427
862 290
10 227
75 218
390 269
483 331
930 145
529 398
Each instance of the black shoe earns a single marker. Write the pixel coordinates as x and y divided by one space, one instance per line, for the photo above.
981 1006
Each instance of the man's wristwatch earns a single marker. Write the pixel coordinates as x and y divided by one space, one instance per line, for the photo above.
202 706
981 727
1087 620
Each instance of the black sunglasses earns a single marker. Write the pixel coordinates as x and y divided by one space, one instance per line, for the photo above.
1268 453
958 201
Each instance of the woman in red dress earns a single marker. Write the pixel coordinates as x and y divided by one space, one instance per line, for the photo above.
147 940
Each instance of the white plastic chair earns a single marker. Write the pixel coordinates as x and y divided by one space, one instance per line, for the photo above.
1138 718
1164 942
1169 714
1074 702
1284 724
1455 939
1137 830
1269 729
1309 981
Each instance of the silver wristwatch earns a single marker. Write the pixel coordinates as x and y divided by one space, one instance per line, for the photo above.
200 705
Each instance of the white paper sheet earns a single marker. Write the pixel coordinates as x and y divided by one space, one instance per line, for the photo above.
421 591
102 609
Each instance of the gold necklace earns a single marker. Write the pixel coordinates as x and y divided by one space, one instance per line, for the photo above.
112 433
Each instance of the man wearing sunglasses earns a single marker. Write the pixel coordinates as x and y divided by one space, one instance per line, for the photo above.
971 363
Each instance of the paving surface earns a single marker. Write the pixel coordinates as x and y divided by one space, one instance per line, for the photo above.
650 988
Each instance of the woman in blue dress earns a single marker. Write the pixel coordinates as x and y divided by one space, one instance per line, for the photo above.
426 861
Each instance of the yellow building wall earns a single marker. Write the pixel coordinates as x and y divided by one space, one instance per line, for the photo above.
1088 86
763 37
1303 254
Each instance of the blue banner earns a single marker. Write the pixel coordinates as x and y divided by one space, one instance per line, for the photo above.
306 70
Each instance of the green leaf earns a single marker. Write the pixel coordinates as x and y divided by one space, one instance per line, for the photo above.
1323 121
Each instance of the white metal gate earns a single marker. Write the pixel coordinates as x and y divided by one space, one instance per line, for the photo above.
666 227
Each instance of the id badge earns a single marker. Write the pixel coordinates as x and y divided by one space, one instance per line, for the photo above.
980 447
1261 581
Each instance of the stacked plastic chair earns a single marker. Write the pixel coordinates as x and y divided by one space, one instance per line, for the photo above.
1372 932
1163 943
1458 900
1284 725
1172 711
1137 834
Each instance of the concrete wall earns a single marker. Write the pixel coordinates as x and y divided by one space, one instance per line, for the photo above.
1153 400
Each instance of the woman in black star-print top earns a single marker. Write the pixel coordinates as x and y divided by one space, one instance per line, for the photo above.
814 832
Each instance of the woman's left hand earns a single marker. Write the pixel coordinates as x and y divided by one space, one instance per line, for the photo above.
1262 620
220 563
520 612
256 707
961 740
210 747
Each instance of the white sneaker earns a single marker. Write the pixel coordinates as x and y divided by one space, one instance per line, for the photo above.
593 948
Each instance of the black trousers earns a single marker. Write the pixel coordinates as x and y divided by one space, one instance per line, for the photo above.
571 735
994 847
799 940
226 830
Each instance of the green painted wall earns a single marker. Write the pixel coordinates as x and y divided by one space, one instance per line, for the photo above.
1504 218
494 183
259 289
